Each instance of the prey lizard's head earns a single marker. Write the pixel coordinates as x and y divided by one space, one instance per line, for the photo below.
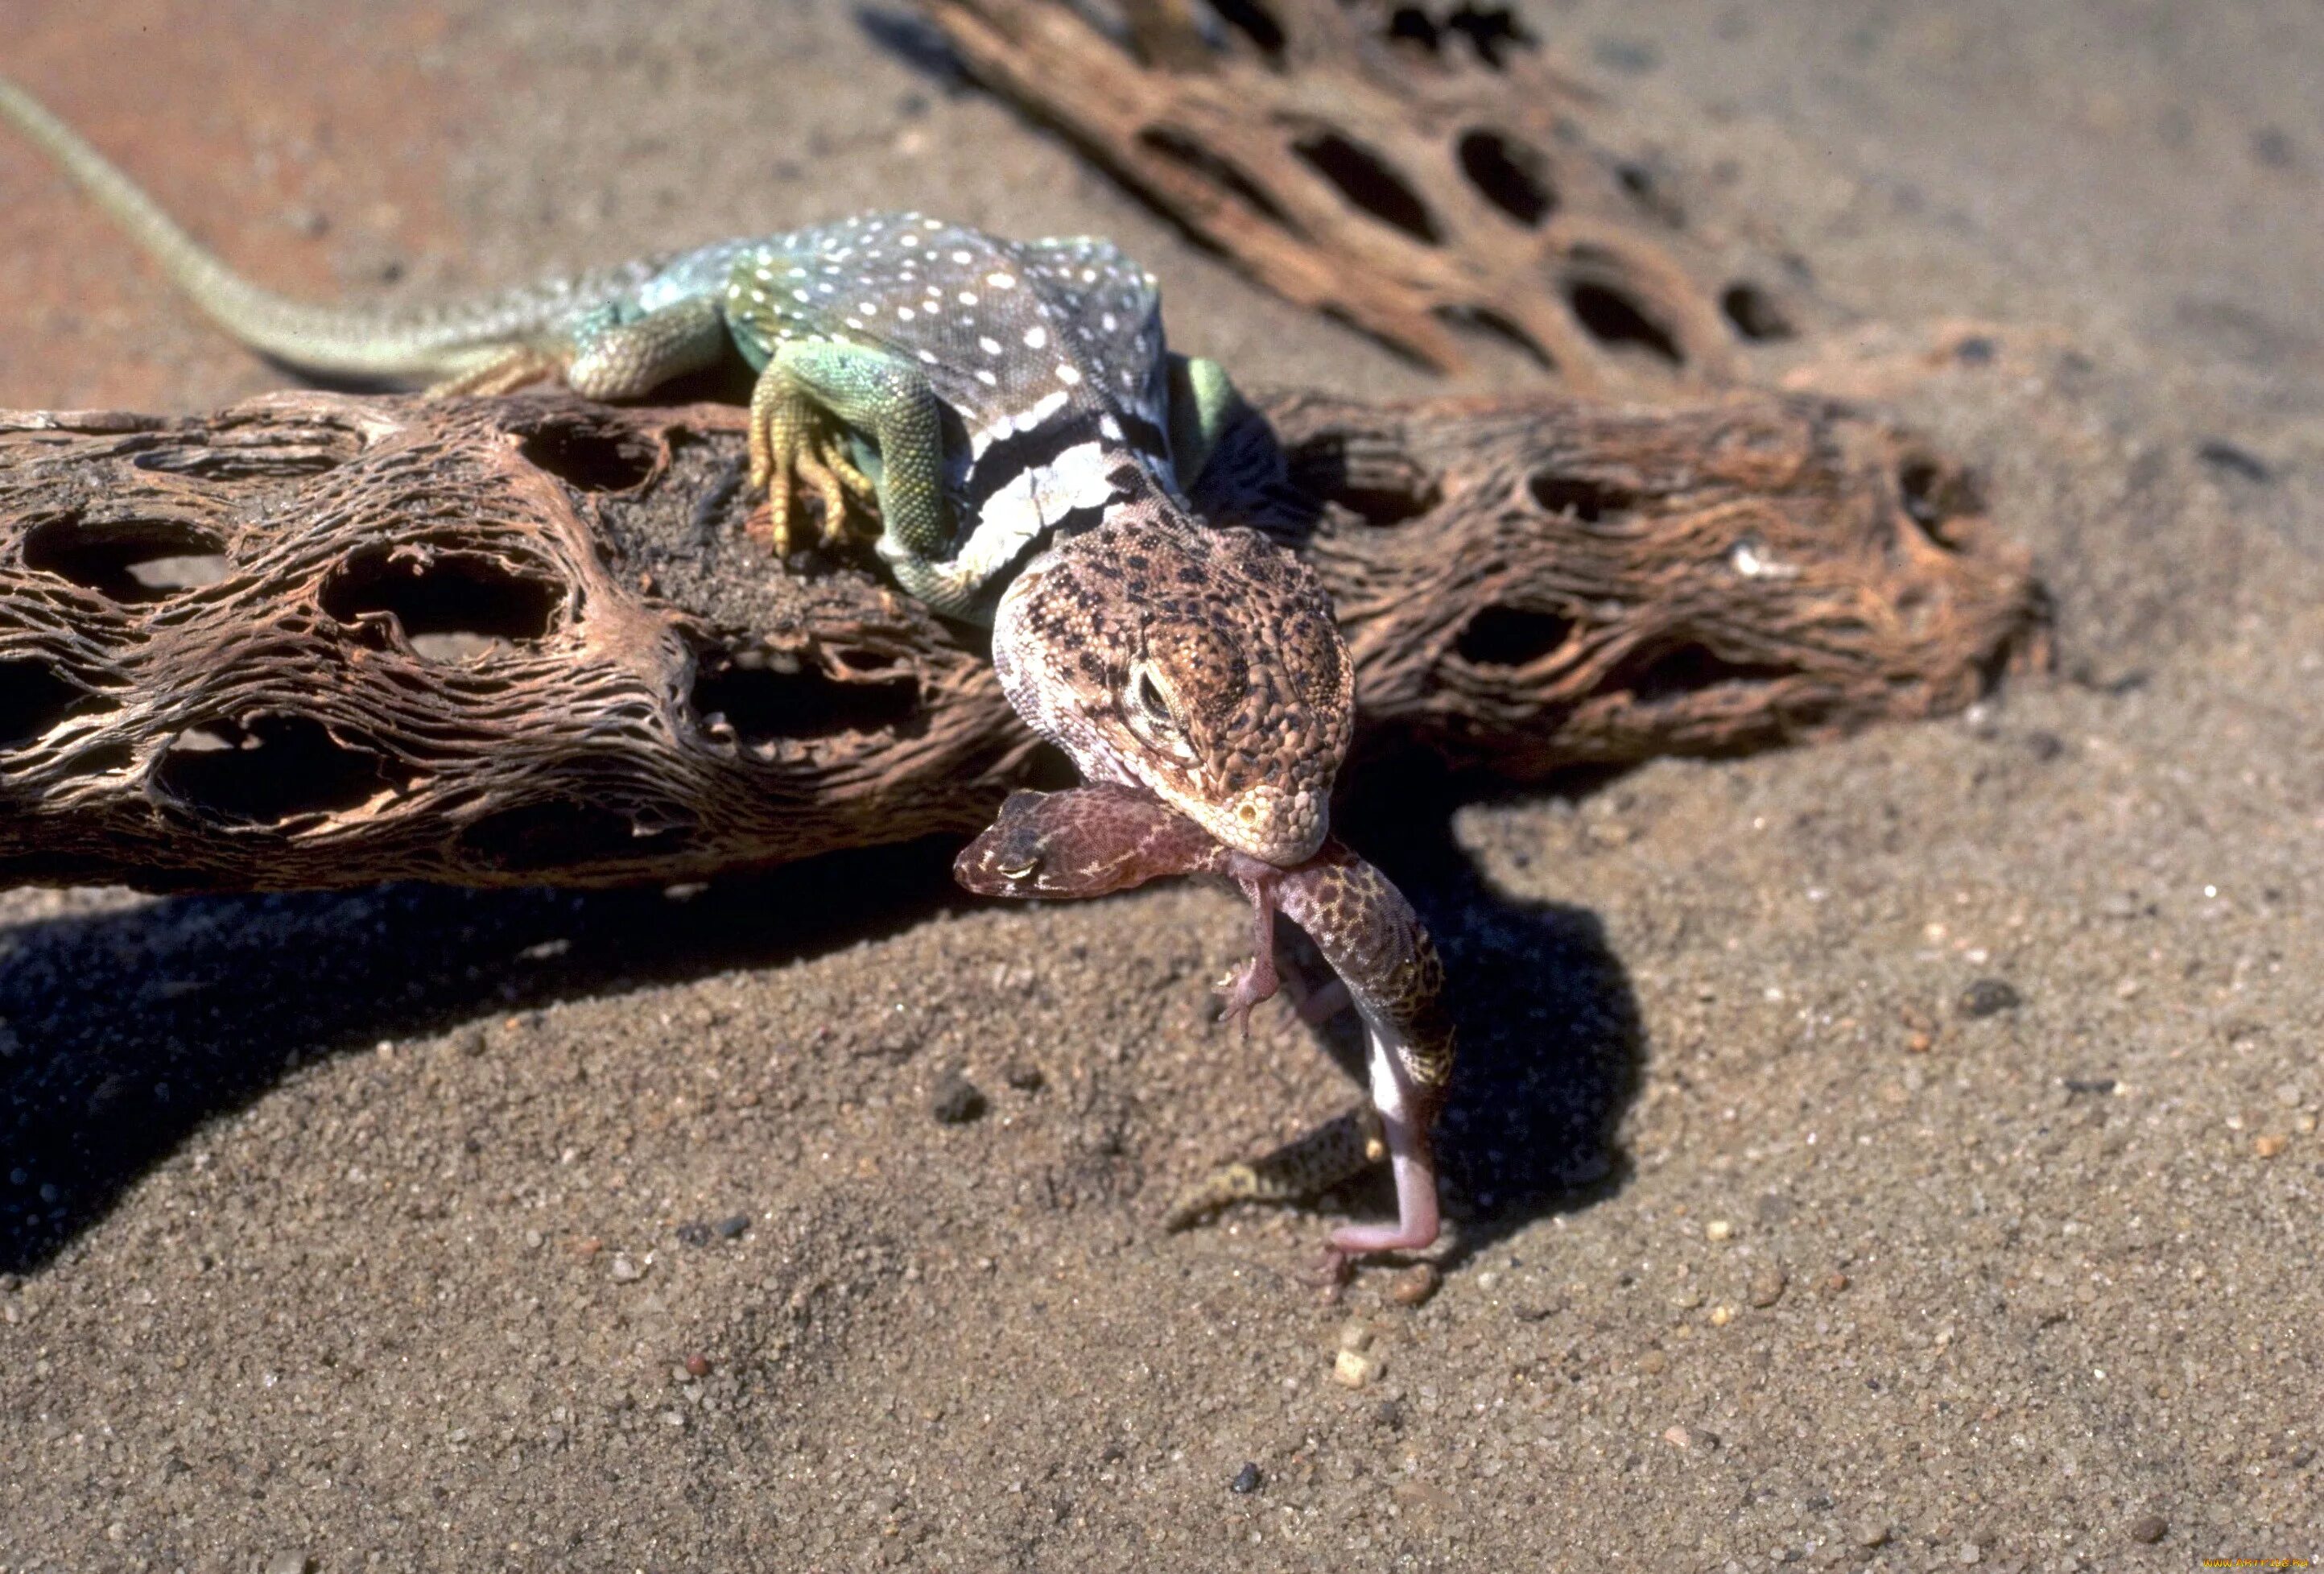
1203 665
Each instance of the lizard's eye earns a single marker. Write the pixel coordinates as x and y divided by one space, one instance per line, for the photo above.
1150 701
1147 705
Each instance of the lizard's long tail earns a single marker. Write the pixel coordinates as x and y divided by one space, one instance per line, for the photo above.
435 342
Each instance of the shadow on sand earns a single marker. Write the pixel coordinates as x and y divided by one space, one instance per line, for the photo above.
128 1029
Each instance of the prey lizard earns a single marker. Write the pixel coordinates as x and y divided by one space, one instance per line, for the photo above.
1012 408
1093 840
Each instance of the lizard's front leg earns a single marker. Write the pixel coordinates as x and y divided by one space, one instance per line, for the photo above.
1203 404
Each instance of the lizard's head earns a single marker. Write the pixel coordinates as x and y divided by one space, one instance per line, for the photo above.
1204 665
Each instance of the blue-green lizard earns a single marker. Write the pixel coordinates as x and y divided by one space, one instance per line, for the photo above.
1010 406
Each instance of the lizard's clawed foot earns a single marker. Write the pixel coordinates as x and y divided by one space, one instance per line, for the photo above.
784 466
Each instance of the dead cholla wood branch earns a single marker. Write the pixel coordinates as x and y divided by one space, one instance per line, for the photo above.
317 640
1414 176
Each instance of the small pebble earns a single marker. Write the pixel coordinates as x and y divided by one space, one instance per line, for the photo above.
956 1101
1718 1229
1653 1363
732 1226
1355 1370
1989 997
1387 1413
1920 1043
1355 1336
1872 1532
626 1272
1721 1315
289 1563
2235 460
1834 1282
698 1366
2148 1529
1414 1285
1767 1286
1024 1077
1245 1481
695 1233
2267 1146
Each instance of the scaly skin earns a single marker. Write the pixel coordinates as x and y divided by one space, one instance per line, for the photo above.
1011 407
1094 840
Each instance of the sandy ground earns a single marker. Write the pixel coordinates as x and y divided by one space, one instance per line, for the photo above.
1901 1155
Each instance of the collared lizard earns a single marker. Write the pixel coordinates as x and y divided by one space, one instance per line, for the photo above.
1013 411
1106 838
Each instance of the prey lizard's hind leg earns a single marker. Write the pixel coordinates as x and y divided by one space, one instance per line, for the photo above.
811 384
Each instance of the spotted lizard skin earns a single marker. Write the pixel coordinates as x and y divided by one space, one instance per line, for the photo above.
1012 408
1094 840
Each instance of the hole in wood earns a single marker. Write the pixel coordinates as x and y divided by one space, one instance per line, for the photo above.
1493 32
34 698
1753 313
1611 317
1366 180
760 700
588 456
1384 501
126 559
1933 495
1382 489
1578 496
269 769
1189 155
1410 25
1656 675
559 833
1511 637
1254 21
450 605
1509 175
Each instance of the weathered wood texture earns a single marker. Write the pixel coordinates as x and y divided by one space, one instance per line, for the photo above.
1417 171
318 640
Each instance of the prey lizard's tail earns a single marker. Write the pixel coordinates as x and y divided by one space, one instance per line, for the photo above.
436 342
